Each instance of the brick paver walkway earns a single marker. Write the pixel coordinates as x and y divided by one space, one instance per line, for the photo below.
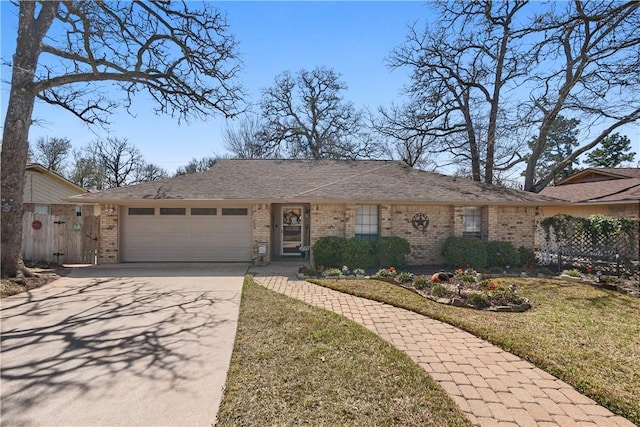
491 386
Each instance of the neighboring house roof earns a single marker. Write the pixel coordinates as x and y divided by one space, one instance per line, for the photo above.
317 180
599 185
601 174
47 187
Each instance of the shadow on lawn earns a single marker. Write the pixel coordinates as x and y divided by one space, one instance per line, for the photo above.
85 339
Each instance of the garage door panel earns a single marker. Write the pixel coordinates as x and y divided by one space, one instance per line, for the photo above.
186 238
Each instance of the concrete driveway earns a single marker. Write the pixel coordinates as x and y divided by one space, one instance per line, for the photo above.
126 344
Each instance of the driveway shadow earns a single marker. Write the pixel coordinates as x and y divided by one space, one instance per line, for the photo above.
92 353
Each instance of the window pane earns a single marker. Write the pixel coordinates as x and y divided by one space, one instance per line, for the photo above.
472 220
173 211
366 222
142 211
235 211
41 209
204 211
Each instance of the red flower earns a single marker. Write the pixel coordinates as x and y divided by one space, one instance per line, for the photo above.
589 270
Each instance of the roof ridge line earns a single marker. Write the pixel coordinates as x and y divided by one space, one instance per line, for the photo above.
387 163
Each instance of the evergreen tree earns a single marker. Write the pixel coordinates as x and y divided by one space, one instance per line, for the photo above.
614 151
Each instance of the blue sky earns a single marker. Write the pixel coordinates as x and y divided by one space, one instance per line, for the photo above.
353 38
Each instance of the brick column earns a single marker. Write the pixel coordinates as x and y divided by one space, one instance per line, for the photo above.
490 223
261 216
349 221
108 251
457 216
385 218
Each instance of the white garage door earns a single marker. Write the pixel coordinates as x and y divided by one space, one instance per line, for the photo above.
194 234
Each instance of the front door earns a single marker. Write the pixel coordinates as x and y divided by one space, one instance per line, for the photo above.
292 227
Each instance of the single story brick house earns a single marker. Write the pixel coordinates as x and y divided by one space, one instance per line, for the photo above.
263 210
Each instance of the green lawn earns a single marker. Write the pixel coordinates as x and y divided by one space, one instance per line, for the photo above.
294 364
586 336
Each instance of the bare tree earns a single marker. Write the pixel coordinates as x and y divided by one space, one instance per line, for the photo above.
86 173
305 116
487 77
52 153
597 45
196 166
461 69
181 56
148 172
561 141
119 160
245 139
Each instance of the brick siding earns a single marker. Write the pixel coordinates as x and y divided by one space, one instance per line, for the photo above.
261 216
514 224
108 252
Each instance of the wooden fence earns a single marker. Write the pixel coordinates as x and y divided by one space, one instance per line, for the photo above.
60 239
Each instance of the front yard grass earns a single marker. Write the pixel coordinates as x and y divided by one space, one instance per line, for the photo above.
294 364
588 337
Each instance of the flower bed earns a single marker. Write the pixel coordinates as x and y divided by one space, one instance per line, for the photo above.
464 288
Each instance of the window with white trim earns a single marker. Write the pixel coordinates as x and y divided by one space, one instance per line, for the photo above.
367 224
472 221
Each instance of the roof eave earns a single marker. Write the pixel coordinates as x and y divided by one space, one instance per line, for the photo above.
148 202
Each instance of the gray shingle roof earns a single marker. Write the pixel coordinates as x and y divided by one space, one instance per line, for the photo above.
613 190
317 180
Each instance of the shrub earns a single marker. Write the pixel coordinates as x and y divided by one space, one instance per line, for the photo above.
307 271
390 250
501 254
404 277
421 283
572 273
387 272
358 272
331 272
464 250
527 256
356 252
503 296
328 251
478 300
437 290
469 275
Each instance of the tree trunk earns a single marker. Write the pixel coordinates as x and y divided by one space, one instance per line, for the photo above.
15 137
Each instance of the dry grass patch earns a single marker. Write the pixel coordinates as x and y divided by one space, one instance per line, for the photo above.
588 337
294 364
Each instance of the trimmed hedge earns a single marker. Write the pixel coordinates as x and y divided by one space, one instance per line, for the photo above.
390 251
356 253
328 251
462 251
501 254
334 251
